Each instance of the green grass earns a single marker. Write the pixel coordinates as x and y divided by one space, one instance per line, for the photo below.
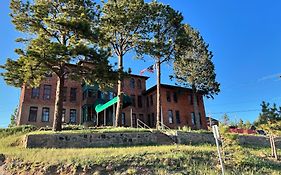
172 159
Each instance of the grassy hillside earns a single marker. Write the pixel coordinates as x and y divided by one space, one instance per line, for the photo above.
172 159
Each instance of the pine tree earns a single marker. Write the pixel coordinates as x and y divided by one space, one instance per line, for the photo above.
13 118
193 66
163 24
58 33
122 25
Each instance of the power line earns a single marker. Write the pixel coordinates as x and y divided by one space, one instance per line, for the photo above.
229 112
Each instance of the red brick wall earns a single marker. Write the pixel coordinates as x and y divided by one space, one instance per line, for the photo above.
26 102
182 105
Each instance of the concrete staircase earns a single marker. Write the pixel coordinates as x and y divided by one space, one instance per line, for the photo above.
164 139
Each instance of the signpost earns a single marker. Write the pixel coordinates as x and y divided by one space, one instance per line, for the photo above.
217 137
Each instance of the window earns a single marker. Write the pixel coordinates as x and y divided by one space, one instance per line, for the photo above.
45 114
32 114
63 115
147 101
90 93
110 95
139 84
133 98
140 101
73 94
99 94
168 95
170 115
72 115
64 93
47 92
35 93
200 119
123 119
175 96
193 120
178 117
151 100
132 83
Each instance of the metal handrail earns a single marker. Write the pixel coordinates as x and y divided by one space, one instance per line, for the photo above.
140 123
165 127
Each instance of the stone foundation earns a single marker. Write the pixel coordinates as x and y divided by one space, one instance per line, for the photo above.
208 138
89 140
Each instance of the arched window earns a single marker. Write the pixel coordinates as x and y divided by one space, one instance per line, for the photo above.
139 84
132 83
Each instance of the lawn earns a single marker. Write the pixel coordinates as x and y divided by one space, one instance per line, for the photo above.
169 159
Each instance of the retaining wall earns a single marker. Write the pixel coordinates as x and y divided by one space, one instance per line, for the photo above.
247 140
89 140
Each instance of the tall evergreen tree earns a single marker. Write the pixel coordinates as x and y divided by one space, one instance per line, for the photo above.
123 25
59 32
193 66
163 24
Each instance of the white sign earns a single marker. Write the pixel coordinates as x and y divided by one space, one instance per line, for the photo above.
216 132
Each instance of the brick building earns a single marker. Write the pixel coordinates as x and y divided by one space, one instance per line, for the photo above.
87 104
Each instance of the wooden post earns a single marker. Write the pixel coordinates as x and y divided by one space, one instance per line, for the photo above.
131 117
97 119
113 115
104 117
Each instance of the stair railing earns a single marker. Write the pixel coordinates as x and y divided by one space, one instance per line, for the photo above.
141 124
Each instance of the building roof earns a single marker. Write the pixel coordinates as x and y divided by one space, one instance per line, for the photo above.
153 88
139 76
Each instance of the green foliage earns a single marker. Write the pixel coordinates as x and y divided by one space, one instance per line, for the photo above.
225 119
162 28
269 114
233 153
193 65
168 159
13 118
59 35
240 124
16 130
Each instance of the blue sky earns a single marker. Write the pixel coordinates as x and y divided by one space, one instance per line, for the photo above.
245 37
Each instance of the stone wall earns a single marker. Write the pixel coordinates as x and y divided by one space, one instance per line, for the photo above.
245 140
89 140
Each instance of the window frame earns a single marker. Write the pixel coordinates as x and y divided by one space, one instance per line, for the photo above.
71 116
37 93
170 117
168 96
175 97
47 96
43 114
178 120
73 94
29 116
132 83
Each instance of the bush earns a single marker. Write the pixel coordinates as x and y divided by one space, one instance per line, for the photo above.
17 130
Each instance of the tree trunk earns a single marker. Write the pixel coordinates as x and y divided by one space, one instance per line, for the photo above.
119 91
196 109
158 100
58 104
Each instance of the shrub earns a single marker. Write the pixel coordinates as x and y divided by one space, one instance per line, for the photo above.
17 130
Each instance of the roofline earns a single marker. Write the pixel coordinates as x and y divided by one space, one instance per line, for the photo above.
140 76
167 86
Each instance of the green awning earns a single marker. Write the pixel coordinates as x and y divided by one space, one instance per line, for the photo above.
100 107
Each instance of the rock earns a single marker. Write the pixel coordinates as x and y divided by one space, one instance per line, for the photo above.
2 158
